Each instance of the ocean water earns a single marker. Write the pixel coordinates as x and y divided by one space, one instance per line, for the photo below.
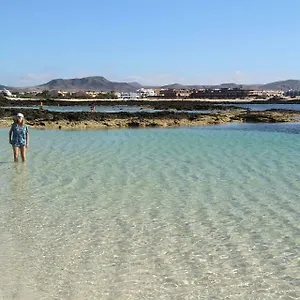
185 213
110 109
135 109
268 106
87 108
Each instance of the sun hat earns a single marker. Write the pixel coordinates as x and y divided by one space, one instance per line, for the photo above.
20 115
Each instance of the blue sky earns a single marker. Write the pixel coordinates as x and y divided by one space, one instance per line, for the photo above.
152 42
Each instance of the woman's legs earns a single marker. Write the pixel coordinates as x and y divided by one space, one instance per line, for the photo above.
16 153
23 153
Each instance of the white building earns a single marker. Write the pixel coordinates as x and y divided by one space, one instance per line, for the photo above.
129 96
144 93
6 92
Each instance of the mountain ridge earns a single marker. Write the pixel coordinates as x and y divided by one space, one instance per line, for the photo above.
100 83
92 83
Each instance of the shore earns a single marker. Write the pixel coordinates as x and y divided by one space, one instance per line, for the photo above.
170 114
42 119
73 101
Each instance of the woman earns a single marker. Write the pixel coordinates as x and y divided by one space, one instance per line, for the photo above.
19 137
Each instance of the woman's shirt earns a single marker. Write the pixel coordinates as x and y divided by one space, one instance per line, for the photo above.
18 135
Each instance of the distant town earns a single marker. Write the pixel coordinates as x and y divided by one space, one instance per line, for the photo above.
98 87
159 93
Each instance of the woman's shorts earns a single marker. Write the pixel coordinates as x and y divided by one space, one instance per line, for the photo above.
18 145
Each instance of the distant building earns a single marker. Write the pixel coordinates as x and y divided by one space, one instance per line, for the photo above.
168 93
265 93
292 93
144 93
6 92
223 93
183 93
117 94
129 96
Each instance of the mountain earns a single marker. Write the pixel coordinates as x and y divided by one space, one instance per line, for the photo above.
283 85
135 84
99 83
178 86
278 85
175 86
95 83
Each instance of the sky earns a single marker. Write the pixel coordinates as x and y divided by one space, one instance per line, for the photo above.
150 42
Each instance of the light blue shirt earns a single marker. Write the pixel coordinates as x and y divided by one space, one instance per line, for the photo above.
18 135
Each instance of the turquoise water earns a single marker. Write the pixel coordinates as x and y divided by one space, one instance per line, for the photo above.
186 213
107 109
87 108
265 106
134 109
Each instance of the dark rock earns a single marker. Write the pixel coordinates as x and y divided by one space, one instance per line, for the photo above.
133 124
152 124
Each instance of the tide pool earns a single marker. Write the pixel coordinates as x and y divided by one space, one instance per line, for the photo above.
136 109
185 213
268 106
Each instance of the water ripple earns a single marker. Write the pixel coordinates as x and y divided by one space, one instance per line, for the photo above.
152 214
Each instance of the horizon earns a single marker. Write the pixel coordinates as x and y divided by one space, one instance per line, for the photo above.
158 85
189 43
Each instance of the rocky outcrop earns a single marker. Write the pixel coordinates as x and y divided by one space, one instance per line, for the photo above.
82 120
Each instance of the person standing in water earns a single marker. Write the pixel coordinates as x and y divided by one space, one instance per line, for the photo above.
19 137
93 107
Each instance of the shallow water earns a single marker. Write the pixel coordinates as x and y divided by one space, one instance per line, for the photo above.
187 213
87 108
108 109
265 106
135 109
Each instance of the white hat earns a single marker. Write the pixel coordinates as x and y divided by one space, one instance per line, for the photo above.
20 115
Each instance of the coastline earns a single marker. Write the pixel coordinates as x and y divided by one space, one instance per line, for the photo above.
76 101
84 120
170 113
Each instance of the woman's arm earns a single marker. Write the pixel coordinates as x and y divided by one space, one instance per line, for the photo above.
9 135
27 140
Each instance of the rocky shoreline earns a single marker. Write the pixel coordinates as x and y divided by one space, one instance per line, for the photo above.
171 114
153 104
85 120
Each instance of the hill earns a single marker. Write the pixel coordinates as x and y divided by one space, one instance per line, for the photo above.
99 83
283 85
95 83
277 85
175 86
218 86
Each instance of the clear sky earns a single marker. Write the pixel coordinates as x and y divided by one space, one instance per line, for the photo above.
150 41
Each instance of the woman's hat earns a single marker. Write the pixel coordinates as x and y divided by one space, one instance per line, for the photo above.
19 115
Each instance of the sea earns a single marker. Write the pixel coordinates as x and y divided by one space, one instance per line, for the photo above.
207 212
135 108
